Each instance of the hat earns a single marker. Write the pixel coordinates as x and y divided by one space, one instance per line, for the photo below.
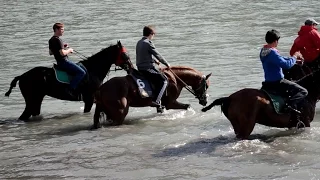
310 22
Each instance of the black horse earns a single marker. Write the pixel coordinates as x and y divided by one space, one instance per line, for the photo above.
40 81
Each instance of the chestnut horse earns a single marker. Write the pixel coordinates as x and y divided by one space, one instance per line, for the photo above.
246 107
116 95
40 81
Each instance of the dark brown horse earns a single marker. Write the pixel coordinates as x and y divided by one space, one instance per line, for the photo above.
116 95
299 71
40 81
246 107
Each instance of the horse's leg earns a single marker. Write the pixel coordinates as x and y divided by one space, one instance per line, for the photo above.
176 105
120 114
235 124
36 105
246 127
88 102
28 109
247 120
96 117
26 113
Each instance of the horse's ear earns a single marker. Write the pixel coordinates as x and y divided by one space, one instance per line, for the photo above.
119 43
207 76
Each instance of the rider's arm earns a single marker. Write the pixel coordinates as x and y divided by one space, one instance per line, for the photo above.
316 38
293 49
58 45
65 52
157 55
55 45
283 62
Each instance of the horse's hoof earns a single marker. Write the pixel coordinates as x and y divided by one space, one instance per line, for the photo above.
160 109
95 126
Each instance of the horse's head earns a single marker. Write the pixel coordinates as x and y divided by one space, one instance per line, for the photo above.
312 83
296 72
114 54
200 90
123 59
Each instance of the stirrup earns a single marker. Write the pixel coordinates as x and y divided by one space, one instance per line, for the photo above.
300 123
156 104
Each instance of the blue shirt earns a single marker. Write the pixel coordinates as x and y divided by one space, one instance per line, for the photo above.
273 63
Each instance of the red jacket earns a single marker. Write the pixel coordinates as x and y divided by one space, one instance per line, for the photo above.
308 43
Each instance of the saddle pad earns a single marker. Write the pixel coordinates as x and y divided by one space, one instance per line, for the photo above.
277 101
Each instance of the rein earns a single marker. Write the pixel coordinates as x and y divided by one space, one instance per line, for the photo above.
81 56
185 85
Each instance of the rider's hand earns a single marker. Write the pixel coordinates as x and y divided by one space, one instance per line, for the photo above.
299 62
66 46
168 65
70 50
298 55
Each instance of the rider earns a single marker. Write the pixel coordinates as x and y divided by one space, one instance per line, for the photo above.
308 42
57 48
273 63
145 62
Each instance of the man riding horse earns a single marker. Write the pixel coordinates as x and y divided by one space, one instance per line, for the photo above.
57 48
146 64
308 43
273 63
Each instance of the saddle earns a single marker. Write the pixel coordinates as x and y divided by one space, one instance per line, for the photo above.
277 100
63 77
145 87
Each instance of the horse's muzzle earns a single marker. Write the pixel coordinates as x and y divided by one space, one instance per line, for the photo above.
203 100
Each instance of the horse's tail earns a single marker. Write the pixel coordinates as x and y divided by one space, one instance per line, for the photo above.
218 102
12 85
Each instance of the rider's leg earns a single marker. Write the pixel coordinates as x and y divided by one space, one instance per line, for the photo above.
73 69
162 90
295 92
160 80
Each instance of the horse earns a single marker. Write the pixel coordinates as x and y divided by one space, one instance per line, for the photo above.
115 96
299 71
40 81
248 106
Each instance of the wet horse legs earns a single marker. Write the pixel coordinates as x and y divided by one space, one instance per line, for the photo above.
96 117
33 107
177 105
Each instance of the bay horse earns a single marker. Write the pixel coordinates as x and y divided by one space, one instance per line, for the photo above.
115 96
247 107
40 81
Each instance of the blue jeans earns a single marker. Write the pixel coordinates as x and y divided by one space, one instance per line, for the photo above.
73 69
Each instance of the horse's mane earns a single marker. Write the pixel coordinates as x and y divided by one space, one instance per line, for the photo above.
98 63
178 70
100 53
184 69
